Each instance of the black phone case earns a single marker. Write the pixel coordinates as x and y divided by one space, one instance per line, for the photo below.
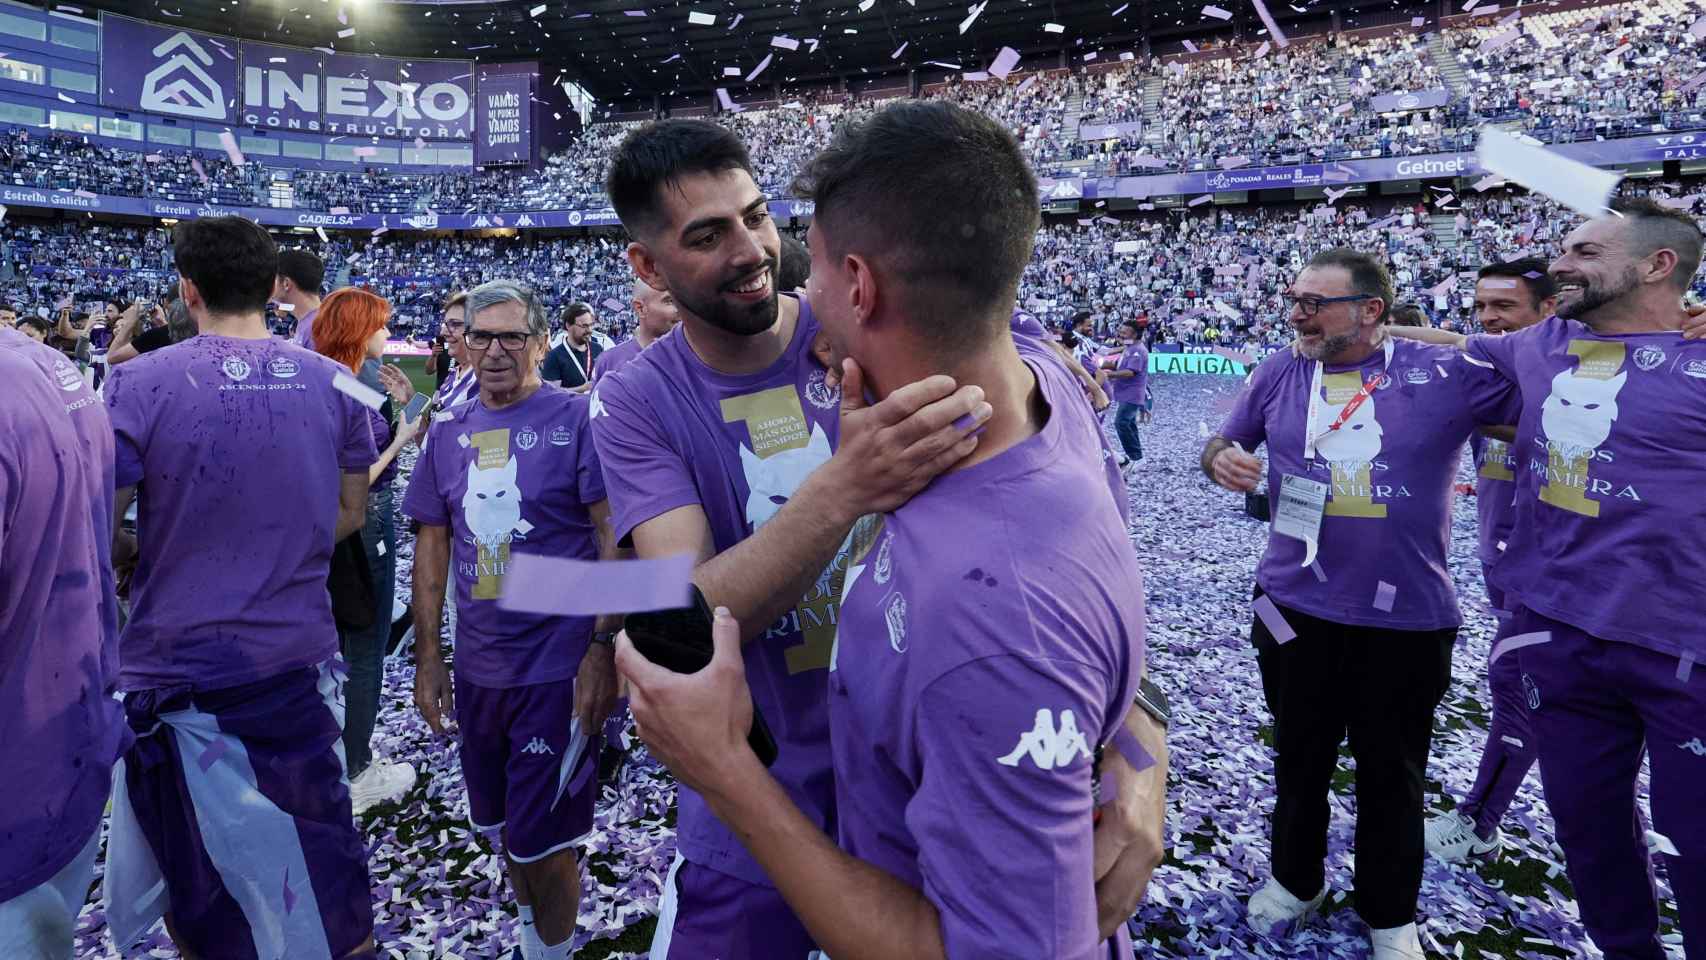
680 640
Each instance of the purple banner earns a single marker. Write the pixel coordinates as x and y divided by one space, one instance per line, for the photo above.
1110 131
159 69
282 87
1410 100
504 121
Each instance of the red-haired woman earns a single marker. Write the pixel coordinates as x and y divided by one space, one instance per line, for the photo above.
350 328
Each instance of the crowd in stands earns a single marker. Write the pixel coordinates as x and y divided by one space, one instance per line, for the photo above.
1208 276
1597 72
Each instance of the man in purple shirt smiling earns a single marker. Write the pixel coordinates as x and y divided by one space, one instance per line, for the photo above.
970 683
1129 384
725 441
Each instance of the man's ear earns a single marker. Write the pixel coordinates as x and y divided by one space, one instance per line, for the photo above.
646 266
863 288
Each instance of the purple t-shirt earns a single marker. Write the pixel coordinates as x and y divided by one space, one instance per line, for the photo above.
237 449
982 657
1131 389
1039 352
59 731
1388 514
305 329
1610 449
615 358
672 433
1030 326
1495 495
520 479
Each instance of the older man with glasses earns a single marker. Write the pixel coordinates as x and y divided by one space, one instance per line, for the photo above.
515 471
1355 615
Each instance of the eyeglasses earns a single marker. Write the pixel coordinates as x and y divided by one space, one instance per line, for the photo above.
511 340
454 325
1310 306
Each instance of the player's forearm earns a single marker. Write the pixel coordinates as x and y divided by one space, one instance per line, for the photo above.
604 534
765 575
432 562
1210 451
1121 374
854 910
1446 338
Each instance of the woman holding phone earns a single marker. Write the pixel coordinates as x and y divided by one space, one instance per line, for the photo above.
351 329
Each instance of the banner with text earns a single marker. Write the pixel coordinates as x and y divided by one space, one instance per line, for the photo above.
503 128
183 73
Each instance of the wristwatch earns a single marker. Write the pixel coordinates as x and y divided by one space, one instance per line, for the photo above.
1153 702
605 638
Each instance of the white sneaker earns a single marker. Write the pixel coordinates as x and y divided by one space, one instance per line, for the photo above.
1274 912
1396 943
1451 837
382 782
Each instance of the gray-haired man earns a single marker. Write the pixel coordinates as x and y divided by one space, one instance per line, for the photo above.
515 471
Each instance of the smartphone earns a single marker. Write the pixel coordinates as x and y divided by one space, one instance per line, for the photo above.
680 640
416 405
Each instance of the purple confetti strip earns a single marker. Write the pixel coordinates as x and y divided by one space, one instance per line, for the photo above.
1219 13
1004 62
1273 28
1273 619
1384 594
559 586
1684 666
213 753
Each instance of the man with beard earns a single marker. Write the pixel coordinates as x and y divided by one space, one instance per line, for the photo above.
570 364
1359 639
515 472
958 796
1611 450
1508 297
724 441
655 315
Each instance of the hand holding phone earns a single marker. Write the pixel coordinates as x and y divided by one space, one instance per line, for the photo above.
680 640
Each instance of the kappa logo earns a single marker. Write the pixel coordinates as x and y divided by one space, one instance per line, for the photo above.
1694 746
1417 376
820 393
283 367
482 221
561 436
181 85
537 746
1531 690
1649 357
524 221
236 368
527 438
69 379
894 615
884 567
1049 746
1695 369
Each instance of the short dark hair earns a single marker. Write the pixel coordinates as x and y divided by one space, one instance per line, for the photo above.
574 310
1407 315
1655 226
796 264
8 308
37 323
1369 276
303 268
1081 316
658 155
231 260
1530 270
943 197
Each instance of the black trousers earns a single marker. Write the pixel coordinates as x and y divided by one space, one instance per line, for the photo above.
1381 688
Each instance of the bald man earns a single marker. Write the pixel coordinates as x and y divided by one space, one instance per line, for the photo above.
655 310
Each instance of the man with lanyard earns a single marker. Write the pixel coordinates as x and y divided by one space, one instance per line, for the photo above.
1508 297
515 472
570 363
1612 450
723 440
1130 387
654 314
1355 612
297 290
956 791
231 814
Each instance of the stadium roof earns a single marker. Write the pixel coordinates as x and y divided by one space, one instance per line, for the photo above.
627 51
